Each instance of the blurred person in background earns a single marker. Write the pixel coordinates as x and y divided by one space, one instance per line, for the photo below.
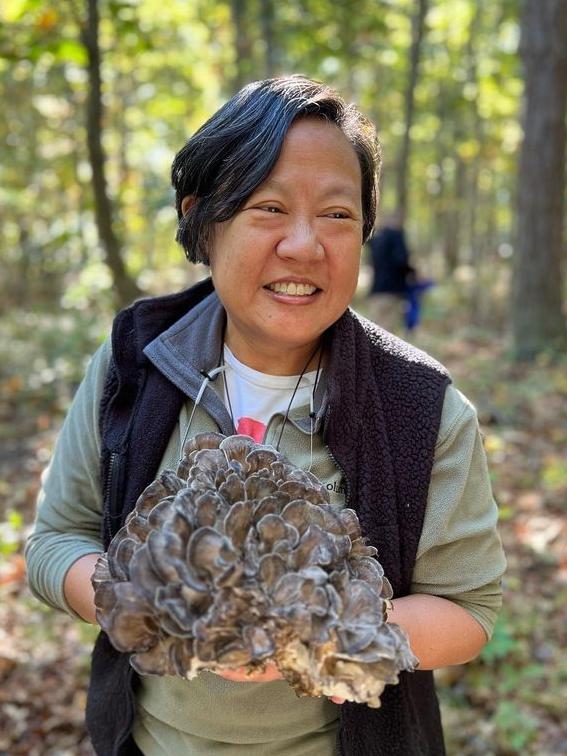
392 275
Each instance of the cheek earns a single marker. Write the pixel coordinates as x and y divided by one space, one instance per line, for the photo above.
346 271
222 281
346 287
234 276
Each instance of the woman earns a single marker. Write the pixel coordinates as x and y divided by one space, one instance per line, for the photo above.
277 193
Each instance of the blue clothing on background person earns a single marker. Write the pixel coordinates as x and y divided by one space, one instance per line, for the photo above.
414 292
390 261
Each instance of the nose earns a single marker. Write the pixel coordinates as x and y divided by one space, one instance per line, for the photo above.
300 241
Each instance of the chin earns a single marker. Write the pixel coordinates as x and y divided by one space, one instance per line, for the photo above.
286 337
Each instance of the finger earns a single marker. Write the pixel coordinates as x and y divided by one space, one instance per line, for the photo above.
337 699
243 675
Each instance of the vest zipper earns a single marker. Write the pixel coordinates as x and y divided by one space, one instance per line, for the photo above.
347 484
332 456
110 474
340 751
112 488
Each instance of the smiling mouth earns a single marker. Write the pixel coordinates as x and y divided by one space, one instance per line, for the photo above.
293 289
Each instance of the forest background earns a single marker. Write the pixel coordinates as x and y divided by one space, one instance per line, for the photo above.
469 100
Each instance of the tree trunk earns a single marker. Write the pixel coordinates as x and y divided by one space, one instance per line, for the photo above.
453 219
473 200
267 14
125 287
418 26
477 132
347 37
484 277
22 286
242 44
537 318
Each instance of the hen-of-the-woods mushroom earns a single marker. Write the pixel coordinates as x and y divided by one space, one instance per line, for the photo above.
238 558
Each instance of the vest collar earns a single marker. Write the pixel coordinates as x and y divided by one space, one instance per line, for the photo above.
192 346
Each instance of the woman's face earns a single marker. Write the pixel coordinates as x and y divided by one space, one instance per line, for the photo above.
286 265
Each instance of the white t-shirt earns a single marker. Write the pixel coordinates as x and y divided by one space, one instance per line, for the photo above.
253 398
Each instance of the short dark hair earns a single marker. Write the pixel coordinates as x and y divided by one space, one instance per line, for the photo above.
228 158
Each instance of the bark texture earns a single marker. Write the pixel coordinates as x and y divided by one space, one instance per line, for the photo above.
418 27
125 287
242 44
537 317
267 18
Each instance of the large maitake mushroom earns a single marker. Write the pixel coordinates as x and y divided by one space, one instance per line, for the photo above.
238 558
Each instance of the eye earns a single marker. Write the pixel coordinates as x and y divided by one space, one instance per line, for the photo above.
338 215
269 209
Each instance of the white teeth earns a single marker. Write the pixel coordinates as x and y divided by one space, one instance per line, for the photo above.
293 289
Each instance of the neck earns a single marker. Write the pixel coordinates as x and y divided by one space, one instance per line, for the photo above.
274 360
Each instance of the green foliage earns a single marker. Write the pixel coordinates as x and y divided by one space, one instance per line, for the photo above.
516 728
11 533
43 358
502 642
555 473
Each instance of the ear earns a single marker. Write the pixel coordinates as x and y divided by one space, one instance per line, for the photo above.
187 203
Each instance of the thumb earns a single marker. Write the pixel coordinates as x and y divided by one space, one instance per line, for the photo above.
337 699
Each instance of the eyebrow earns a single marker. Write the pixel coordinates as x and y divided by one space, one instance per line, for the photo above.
331 191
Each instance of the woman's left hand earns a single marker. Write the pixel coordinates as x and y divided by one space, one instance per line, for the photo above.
270 674
241 675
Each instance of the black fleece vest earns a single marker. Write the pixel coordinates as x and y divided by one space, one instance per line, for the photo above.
382 422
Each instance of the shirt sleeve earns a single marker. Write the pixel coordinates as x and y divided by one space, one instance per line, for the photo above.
69 506
460 555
